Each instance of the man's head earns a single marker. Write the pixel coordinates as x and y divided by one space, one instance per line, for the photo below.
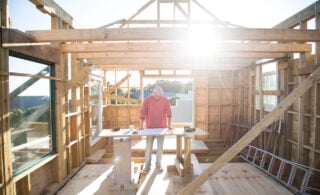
157 92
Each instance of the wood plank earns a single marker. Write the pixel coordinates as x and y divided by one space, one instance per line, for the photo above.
175 61
96 156
121 34
242 178
139 10
137 55
254 132
125 99
45 53
173 67
169 47
109 90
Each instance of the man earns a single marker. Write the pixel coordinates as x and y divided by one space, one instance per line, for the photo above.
157 113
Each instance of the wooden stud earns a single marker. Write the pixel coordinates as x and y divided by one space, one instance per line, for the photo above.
253 133
5 135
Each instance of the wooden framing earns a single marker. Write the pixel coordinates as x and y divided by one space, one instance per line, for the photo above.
168 55
253 133
116 34
224 83
156 47
44 52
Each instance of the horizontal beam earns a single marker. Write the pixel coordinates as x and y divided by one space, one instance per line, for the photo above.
125 99
153 47
123 34
175 61
45 53
302 16
135 55
171 67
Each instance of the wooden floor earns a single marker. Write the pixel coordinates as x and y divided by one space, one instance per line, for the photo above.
233 178
169 146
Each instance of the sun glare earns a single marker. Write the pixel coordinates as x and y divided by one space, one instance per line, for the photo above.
201 43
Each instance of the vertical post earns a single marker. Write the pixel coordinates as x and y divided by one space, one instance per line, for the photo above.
261 107
61 105
187 166
179 147
5 135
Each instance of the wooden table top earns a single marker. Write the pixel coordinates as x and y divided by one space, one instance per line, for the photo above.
150 132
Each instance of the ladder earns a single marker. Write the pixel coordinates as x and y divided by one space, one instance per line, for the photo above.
294 176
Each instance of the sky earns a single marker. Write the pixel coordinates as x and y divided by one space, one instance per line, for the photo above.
96 13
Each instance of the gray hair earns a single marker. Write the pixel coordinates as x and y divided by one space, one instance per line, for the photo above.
158 89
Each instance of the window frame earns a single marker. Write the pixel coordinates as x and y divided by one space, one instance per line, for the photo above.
52 125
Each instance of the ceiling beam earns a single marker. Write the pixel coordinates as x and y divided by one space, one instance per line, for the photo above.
136 55
171 67
146 34
169 47
175 61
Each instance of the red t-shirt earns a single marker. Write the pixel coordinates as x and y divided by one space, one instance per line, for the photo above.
156 112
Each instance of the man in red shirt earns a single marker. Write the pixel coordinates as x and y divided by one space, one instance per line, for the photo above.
157 113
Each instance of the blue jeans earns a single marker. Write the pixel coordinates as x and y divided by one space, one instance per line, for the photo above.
148 151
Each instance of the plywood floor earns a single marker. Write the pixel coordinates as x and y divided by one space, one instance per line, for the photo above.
169 146
234 178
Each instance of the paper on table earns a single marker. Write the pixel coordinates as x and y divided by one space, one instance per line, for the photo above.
154 131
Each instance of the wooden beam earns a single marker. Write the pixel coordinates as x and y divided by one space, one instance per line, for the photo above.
252 134
171 67
136 55
118 84
169 47
307 70
301 16
175 61
170 22
45 53
53 9
125 99
122 34
139 11
270 92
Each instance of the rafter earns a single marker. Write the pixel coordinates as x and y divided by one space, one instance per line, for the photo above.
169 47
147 34
175 61
136 55
172 67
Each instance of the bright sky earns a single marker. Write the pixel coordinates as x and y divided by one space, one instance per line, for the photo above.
96 13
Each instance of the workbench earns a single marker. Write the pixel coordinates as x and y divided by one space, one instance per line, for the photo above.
183 147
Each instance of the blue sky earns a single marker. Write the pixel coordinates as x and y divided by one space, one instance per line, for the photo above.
95 13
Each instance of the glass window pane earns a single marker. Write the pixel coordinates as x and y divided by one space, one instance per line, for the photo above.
30 113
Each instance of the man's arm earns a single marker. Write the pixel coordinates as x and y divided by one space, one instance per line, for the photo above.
141 124
169 123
